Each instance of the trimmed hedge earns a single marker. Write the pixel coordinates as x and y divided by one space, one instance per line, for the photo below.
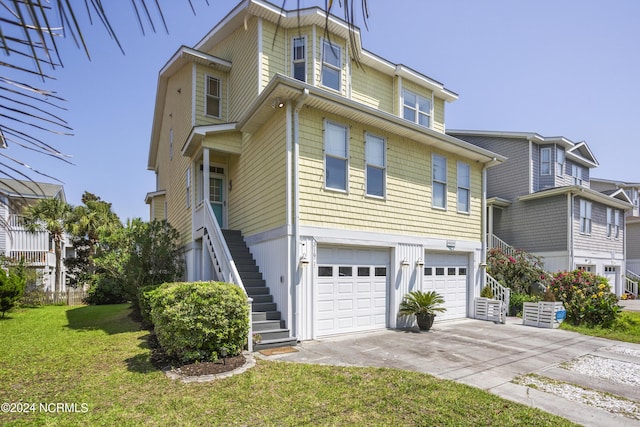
195 321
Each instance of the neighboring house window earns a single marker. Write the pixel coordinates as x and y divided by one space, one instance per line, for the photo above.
609 222
585 217
171 144
439 184
417 108
376 165
616 223
188 185
299 56
212 104
464 187
545 161
559 161
576 173
336 160
331 65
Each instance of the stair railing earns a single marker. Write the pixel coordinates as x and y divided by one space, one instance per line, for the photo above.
631 285
500 293
221 257
496 242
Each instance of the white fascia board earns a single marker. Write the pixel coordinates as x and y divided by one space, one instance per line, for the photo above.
419 78
584 192
621 184
530 136
591 159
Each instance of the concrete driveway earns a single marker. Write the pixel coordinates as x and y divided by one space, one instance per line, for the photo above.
490 356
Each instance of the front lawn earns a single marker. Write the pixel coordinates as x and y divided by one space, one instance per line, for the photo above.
625 328
90 366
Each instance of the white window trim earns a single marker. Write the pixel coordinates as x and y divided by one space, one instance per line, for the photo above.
610 222
415 107
616 223
331 66
547 162
467 188
383 168
560 166
434 181
576 173
303 61
206 95
188 185
585 217
346 159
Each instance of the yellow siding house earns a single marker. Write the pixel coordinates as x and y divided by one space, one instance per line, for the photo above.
326 188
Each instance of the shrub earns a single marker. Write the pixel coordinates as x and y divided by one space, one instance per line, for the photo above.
105 290
586 297
521 271
12 285
144 301
517 300
194 321
486 292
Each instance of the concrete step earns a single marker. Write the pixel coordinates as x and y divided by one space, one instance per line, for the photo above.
273 334
266 325
275 343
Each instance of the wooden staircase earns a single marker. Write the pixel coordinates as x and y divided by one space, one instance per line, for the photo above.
266 320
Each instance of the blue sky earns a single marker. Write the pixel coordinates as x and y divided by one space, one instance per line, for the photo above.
559 68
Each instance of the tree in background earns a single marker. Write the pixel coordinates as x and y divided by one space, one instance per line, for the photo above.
135 256
50 215
12 284
88 224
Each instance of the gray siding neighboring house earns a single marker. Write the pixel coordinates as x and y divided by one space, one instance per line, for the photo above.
541 200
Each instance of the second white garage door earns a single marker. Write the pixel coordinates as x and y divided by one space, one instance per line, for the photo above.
351 290
447 274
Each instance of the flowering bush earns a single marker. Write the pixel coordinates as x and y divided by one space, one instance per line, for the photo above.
520 271
587 298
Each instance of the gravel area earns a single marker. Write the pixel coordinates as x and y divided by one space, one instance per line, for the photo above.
608 402
610 369
623 350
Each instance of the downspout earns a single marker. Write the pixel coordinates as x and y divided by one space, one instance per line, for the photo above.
296 209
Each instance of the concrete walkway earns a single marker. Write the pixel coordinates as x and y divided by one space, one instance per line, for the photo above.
489 356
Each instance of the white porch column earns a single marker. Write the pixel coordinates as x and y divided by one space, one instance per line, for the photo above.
205 176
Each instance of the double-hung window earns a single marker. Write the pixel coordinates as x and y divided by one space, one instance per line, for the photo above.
439 182
610 222
417 108
331 65
336 151
299 58
576 173
188 186
616 223
545 161
464 187
212 92
559 161
585 217
376 165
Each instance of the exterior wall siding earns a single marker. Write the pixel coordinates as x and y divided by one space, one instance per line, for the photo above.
241 49
534 225
373 88
171 164
275 52
438 115
407 207
633 241
511 178
598 239
257 201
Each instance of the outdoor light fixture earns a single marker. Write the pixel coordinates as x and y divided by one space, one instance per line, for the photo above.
451 244
304 260
419 262
405 262
277 103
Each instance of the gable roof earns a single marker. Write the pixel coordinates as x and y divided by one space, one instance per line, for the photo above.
578 152
616 183
617 200
31 189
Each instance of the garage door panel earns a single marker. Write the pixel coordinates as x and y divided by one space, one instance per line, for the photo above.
447 275
358 285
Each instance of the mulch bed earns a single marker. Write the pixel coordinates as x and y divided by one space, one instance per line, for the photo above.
161 360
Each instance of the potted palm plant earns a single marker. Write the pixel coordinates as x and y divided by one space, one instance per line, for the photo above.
423 305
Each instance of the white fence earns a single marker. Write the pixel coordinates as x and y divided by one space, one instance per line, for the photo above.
71 297
489 309
543 314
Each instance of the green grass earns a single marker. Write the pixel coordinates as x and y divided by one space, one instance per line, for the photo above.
99 357
626 328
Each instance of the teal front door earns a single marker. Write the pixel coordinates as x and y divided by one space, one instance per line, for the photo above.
216 198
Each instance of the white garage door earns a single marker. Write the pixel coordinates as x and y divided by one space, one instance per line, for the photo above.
351 290
447 274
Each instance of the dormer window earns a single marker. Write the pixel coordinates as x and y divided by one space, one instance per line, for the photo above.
576 173
331 65
299 58
559 162
545 161
212 102
417 108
